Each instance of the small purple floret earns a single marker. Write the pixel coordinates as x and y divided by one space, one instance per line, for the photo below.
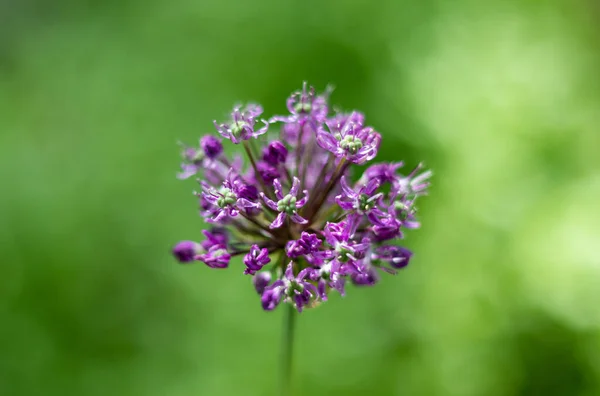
397 256
307 244
242 125
261 280
216 257
185 251
275 153
211 146
287 205
256 259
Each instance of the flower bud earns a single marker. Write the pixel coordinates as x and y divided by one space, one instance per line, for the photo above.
275 153
261 280
256 259
368 278
211 146
271 298
185 251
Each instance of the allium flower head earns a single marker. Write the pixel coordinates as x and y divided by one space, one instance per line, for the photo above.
292 211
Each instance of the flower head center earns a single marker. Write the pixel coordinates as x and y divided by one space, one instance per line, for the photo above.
238 127
227 197
220 252
294 287
364 203
326 272
344 252
405 210
351 144
302 107
287 204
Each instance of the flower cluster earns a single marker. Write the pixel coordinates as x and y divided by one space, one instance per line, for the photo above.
302 226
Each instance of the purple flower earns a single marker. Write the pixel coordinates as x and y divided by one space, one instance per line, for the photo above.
338 231
306 102
402 211
216 236
355 117
405 212
329 276
268 172
304 106
185 251
308 243
242 124
261 280
366 278
413 183
187 171
227 201
345 233
248 192
256 259
220 203
397 256
387 230
350 140
271 297
296 289
196 159
287 205
385 173
344 247
275 153
362 202
211 146
192 162
216 257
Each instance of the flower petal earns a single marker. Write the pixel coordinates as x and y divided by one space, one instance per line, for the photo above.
296 218
303 201
187 170
244 203
371 186
350 193
269 202
278 189
295 187
322 290
278 222
263 129
326 140
289 271
343 204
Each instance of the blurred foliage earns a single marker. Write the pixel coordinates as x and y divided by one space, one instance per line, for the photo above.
500 98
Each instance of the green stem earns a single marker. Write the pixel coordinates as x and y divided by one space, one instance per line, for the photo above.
317 187
335 178
256 172
263 227
287 350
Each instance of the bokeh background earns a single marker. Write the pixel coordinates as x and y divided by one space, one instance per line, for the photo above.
500 97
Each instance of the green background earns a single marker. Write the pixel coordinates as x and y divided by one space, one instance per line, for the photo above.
500 98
